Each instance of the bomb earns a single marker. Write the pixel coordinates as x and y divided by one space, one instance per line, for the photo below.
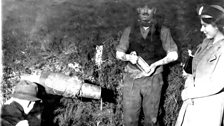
64 85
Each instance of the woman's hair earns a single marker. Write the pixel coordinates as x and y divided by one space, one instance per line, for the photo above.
212 14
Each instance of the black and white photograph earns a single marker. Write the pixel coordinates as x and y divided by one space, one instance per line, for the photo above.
112 63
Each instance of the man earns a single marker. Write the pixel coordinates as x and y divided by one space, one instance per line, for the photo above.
147 46
16 109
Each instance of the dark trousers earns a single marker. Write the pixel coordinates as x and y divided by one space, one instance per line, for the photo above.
141 93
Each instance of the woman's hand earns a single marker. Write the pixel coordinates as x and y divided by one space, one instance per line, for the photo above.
186 94
189 82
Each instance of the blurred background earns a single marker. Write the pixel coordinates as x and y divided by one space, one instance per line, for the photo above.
49 35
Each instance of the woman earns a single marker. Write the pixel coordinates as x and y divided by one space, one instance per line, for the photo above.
203 95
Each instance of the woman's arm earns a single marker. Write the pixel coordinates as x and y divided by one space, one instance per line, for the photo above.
212 85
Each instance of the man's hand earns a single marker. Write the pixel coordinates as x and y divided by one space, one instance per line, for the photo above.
139 75
127 57
132 58
151 70
22 123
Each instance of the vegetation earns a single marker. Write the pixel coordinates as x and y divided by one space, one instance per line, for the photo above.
51 34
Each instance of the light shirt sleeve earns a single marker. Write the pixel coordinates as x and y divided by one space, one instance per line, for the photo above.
168 43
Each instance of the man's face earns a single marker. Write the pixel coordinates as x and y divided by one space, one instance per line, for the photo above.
146 13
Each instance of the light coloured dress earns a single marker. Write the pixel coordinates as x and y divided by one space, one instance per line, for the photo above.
205 86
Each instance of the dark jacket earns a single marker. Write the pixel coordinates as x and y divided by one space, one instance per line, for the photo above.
12 114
